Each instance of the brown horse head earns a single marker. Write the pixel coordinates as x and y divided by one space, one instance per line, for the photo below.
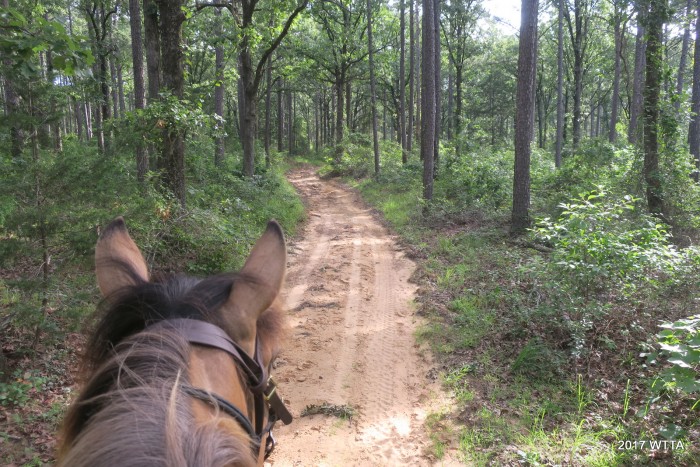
176 369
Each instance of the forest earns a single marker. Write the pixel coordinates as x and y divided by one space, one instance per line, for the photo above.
544 177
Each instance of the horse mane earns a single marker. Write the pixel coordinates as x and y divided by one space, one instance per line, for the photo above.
130 400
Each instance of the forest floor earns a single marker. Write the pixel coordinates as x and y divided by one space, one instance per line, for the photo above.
351 371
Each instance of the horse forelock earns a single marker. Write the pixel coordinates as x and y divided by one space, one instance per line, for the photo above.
130 374
120 420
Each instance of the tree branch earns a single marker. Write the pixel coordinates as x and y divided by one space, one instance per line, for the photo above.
261 64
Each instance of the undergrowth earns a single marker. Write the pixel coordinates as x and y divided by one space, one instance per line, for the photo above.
51 212
551 353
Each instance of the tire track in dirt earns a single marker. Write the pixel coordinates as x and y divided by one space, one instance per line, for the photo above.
351 341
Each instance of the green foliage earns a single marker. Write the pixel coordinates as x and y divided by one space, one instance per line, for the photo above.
24 38
65 199
599 245
679 344
168 113
357 158
20 388
456 380
595 163
478 180
539 362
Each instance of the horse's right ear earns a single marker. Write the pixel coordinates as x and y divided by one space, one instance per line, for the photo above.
118 261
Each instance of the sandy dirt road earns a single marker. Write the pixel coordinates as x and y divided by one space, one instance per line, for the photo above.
351 340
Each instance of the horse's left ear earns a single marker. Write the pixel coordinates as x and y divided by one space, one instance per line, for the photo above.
118 261
263 274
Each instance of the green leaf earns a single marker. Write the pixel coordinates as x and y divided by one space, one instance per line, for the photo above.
672 431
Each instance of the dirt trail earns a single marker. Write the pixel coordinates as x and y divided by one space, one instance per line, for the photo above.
351 341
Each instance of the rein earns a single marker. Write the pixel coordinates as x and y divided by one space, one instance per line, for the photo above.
262 386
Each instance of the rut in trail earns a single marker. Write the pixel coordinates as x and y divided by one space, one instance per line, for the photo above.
352 339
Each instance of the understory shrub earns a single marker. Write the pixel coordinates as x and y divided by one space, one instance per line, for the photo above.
601 244
679 344
607 261
477 180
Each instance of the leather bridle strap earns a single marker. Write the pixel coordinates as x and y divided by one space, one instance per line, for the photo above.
261 385
225 406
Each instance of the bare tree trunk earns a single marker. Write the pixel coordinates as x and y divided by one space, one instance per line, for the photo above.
694 127
280 117
652 90
139 82
251 75
612 134
171 19
114 91
219 91
55 124
12 102
402 81
559 144
438 88
450 105
340 84
317 111
120 89
412 79
638 82
290 127
524 124
428 95
372 87
268 99
79 117
684 54
348 102
152 43
578 31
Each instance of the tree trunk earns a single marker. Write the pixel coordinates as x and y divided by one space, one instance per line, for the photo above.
524 124
152 43
684 55
694 127
638 82
459 80
55 124
290 127
171 19
402 80
348 102
268 99
450 105
120 89
114 91
12 103
578 31
339 85
251 76
612 134
652 91
139 83
280 116
412 79
559 144
438 87
317 111
428 94
372 87
219 91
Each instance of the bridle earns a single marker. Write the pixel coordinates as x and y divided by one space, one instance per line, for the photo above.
260 384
